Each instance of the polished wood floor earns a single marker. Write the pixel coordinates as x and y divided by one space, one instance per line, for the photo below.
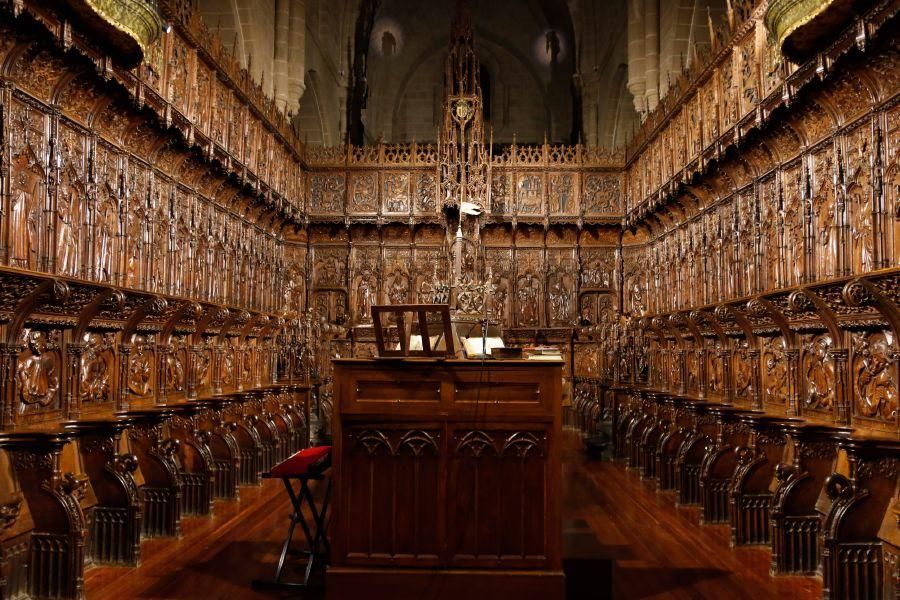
660 551
655 550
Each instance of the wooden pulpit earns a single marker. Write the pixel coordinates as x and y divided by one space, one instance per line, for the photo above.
446 480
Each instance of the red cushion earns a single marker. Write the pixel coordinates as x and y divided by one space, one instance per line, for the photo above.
301 462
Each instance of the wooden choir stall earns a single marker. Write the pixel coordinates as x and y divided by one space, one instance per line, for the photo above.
446 479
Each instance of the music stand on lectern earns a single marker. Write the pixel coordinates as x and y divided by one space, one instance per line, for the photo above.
423 330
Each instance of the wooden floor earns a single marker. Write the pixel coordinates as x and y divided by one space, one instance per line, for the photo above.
658 550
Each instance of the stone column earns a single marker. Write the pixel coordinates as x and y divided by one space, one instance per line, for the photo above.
296 72
280 62
637 83
651 46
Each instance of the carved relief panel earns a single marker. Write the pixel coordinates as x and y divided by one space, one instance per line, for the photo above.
562 275
425 192
748 73
858 183
825 224
710 108
587 360
529 194
74 210
395 193
329 267
499 263
295 278
25 230
817 374
529 289
873 372
39 373
770 220
98 363
363 197
326 193
331 305
793 261
598 267
892 184
141 367
601 194
730 100
107 216
775 373
430 269
742 374
397 275
634 277
501 193
562 194
175 366
366 276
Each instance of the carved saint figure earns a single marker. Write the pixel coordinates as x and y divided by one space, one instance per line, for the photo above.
499 299
365 296
175 371
527 292
66 247
819 373
862 229
776 371
399 288
38 374
95 369
875 389
24 212
228 367
742 374
140 370
202 366
560 301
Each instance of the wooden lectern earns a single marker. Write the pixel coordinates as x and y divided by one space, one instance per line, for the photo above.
446 480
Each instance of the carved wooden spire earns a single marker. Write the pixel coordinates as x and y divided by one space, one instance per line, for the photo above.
462 154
